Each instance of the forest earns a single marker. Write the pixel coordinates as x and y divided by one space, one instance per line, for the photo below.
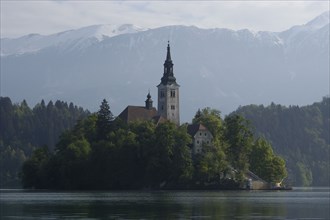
102 152
61 135
23 130
299 134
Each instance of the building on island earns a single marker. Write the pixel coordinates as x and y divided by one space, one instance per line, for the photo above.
200 136
168 100
168 108
141 113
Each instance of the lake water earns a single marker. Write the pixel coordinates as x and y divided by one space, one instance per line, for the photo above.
300 203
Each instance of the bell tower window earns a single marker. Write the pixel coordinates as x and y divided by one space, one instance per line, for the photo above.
173 93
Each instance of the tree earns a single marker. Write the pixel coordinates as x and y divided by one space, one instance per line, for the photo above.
278 171
33 171
240 139
22 130
265 163
210 165
170 159
104 118
72 164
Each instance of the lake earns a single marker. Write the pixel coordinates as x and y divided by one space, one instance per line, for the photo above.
300 203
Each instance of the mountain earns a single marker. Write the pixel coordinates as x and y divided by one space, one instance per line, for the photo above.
219 68
81 38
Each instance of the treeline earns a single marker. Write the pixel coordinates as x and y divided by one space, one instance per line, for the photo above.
101 152
300 135
24 129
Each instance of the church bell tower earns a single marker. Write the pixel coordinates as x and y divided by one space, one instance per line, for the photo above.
168 92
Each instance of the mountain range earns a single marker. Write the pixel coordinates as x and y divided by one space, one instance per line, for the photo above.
218 68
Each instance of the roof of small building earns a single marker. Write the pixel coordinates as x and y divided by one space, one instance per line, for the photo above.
134 113
194 128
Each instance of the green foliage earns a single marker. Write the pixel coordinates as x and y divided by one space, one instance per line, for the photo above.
210 118
300 135
267 165
305 176
11 160
240 140
33 170
169 158
211 164
101 153
24 129
128 156
104 118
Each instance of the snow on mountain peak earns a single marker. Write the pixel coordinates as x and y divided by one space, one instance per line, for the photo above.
86 36
101 31
320 21
78 38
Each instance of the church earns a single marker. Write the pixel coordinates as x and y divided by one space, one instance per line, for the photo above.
168 107
168 100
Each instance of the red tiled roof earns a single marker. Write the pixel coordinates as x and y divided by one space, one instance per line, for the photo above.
134 113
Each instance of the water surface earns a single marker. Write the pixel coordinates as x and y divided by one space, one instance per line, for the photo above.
300 203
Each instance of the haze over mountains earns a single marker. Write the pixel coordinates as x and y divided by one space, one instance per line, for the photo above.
219 68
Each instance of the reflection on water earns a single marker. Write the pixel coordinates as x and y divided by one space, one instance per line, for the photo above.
301 203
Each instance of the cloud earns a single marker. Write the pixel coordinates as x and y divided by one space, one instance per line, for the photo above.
46 17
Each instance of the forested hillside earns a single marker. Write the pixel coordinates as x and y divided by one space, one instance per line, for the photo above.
299 134
23 129
101 152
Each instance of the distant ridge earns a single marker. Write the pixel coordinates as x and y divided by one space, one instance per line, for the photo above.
34 42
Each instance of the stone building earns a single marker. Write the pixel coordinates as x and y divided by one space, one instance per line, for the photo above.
201 136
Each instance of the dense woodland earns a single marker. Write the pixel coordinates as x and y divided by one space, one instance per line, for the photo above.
101 152
24 129
300 135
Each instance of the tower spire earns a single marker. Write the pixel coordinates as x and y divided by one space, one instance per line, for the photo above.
168 77
168 56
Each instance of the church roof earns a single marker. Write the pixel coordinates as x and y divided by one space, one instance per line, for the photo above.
194 128
134 113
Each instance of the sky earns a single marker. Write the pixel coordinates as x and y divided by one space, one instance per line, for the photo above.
45 17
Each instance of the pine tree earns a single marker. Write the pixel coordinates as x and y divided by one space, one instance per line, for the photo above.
104 118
